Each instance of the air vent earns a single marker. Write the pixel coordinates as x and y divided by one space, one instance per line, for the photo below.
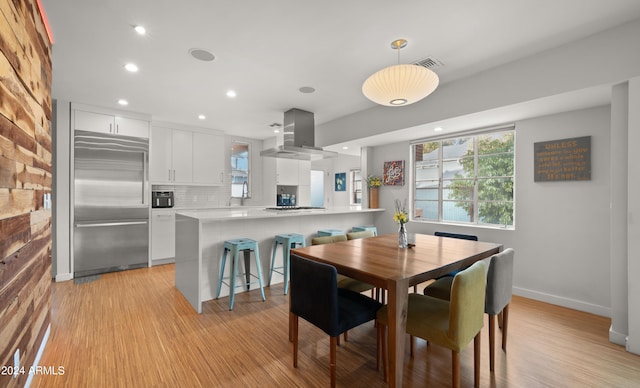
429 63
275 125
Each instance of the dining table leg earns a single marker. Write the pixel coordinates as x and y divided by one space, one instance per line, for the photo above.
397 320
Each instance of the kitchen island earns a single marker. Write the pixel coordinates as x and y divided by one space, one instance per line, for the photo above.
200 235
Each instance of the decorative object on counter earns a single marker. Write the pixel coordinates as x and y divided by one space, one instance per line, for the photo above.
393 173
373 182
341 181
400 84
400 217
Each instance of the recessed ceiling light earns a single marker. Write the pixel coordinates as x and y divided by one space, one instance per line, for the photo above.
202 117
276 131
345 148
201 55
307 89
438 129
140 30
231 93
131 67
123 102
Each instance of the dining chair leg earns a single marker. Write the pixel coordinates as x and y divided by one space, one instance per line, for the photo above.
290 327
294 319
455 369
411 345
382 349
492 341
505 325
345 336
332 360
476 360
500 317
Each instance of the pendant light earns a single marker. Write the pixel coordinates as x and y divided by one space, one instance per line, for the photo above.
401 84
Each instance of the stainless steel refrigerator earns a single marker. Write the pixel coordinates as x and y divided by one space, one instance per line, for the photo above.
111 203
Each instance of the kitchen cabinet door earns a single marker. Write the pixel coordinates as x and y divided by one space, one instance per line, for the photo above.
131 127
163 234
106 123
94 122
160 163
208 159
182 159
287 172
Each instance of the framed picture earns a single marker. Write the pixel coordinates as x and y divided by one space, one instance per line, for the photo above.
393 173
341 181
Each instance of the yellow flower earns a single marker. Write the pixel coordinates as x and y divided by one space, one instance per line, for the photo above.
374 181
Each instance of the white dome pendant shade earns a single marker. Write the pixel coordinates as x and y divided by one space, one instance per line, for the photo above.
400 85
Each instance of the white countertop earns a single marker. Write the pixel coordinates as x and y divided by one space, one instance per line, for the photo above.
253 213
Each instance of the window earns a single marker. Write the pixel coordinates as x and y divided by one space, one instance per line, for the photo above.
467 179
240 170
356 187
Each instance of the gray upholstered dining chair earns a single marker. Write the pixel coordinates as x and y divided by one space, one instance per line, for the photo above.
497 298
316 298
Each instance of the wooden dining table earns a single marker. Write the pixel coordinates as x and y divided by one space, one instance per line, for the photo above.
380 262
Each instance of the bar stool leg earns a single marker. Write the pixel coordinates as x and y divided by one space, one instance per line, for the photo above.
259 267
273 261
286 249
232 291
224 262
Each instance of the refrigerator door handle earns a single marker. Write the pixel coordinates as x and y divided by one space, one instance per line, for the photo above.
100 224
144 177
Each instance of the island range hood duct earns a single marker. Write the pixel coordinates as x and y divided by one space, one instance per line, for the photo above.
299 138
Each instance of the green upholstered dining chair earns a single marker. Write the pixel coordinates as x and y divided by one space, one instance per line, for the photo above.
316 298
497 299
451 324
360 234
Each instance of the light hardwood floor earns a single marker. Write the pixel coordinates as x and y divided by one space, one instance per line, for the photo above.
134 329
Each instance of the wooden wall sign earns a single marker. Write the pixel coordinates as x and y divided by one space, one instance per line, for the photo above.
562 160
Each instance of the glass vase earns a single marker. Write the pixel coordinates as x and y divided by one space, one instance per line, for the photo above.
402 236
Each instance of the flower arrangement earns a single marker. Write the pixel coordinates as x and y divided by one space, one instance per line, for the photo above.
400 216
374 181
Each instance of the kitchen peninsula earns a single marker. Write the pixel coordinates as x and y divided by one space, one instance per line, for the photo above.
200 235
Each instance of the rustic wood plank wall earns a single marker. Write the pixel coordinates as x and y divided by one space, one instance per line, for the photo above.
25 178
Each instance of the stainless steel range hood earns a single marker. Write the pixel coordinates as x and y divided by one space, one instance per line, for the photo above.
299 138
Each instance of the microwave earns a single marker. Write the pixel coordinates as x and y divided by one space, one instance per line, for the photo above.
286 199
161 199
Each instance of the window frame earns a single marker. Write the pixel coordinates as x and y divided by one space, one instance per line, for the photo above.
248 171
441 180
353 189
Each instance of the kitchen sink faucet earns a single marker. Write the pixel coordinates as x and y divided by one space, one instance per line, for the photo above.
245 192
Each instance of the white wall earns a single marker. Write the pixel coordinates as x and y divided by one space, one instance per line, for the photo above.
341 163
561 236
633 344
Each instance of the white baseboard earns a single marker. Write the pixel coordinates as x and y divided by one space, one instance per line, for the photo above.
43 344
564 302
617 338
63 277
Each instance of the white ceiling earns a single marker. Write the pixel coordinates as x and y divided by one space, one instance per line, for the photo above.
267 50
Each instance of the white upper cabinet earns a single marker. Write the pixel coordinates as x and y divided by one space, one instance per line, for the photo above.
180 156
208 158
287 172
110 123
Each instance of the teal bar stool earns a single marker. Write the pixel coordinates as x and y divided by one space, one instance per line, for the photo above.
245 245
362 228
330 232
288 241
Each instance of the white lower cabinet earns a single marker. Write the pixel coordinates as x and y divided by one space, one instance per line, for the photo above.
163 234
